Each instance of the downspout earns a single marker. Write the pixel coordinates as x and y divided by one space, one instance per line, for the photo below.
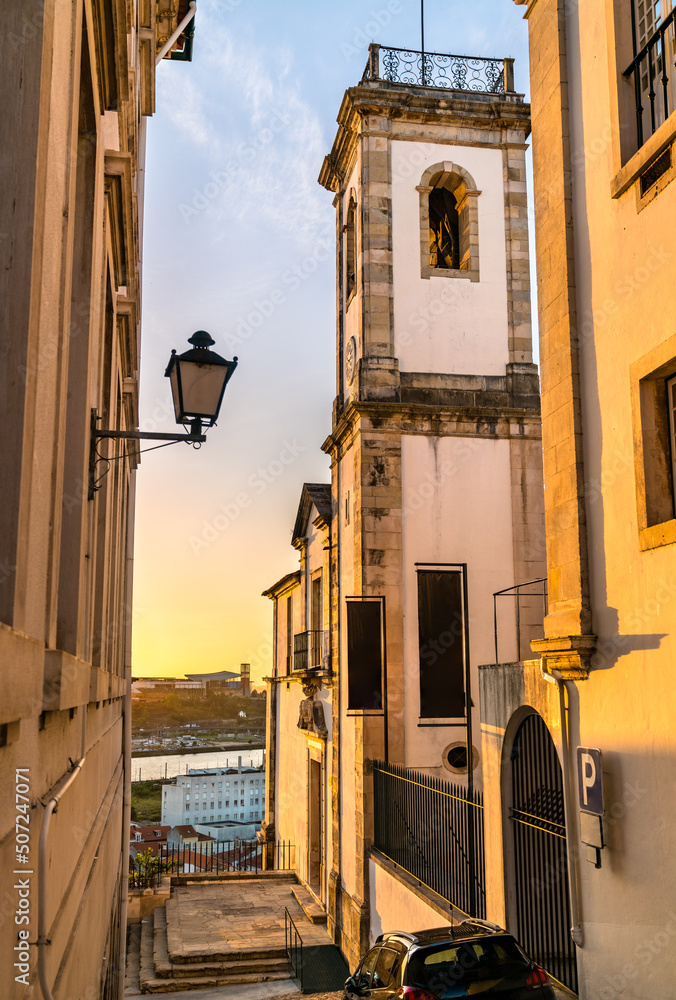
177 34
126 738
555 677
51 805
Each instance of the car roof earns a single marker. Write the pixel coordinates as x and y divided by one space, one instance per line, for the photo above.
437 935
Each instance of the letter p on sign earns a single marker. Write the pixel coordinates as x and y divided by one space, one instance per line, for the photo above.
590 780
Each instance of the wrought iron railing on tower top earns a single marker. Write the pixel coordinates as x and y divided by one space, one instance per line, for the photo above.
477 74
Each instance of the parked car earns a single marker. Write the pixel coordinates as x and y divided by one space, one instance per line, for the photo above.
467 959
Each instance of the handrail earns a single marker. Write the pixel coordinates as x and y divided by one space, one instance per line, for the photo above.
293 943
647 52
516 591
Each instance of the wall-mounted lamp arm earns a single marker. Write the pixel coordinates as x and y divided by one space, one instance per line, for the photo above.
194 436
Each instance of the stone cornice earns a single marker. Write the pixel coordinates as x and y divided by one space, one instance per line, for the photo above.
434 420
399 103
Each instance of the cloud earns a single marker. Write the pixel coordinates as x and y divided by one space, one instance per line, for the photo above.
243 114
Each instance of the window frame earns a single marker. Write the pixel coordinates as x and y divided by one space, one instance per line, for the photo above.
654 445
460 183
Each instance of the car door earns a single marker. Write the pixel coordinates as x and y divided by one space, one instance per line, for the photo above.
359 985
386 978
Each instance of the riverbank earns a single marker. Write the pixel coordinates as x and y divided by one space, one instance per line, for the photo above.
212 748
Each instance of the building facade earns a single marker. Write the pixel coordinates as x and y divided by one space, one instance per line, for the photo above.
215 795
436 487
588 835
78 83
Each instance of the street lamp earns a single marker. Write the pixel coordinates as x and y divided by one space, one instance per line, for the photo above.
198 380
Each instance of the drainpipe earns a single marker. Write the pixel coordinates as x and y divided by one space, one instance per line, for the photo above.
126 741
177 34
51 805
555 677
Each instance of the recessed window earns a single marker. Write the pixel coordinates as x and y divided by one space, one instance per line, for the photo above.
441 638
351 248
654 412
449 223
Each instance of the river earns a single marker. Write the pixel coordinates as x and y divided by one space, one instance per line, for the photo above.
169 765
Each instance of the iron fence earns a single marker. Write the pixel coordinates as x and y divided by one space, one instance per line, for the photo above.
294 948
649 69
531 610
432 830
436 69
218 857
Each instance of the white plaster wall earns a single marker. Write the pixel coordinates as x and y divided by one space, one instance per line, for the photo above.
396 908
466 518
449 324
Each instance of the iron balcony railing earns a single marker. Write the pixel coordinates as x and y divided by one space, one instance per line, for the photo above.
649 69
476 74
219 857
308 650
432 830
530 606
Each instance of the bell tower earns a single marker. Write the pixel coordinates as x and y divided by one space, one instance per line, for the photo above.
435 447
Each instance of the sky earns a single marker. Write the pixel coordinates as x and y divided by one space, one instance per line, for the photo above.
239 241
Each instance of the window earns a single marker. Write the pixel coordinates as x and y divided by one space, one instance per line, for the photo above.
241 815
351 248
227 804
441 641
365 642
211 805
289 634
449 223
653 381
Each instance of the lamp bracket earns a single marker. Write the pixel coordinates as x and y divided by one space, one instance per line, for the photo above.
195 436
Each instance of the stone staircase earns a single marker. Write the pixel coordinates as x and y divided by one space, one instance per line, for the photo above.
223 932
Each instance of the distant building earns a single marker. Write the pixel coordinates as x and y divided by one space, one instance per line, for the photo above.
215 795
221 680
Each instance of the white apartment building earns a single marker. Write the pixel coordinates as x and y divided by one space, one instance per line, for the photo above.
214 795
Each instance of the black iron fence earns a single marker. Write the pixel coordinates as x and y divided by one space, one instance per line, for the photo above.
218 857
530 607
307 650
653 88
294 948
435 69
432 830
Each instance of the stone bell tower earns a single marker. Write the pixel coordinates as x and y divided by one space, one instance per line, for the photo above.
435 447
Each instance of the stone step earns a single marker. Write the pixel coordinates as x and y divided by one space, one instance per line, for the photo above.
309 904
166 969
157 985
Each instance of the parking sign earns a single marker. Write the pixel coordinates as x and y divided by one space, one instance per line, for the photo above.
590 780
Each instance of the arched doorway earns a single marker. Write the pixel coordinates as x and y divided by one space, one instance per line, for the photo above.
539 843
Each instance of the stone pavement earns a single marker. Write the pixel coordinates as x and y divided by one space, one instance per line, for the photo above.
248 917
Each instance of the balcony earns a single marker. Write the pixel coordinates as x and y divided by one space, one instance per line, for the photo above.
308 651
474 74
654 89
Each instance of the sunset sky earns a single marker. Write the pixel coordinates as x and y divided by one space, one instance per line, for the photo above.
239 241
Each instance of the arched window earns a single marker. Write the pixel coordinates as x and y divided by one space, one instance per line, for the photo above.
444 231
449 223
351 247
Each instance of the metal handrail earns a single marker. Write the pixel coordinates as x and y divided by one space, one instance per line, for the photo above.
516 592
293 943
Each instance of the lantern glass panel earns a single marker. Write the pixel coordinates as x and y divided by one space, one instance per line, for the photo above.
201 388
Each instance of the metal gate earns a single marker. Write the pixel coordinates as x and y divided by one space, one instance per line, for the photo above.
540 855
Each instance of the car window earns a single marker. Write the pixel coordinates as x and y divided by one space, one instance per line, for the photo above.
387 969
365 971
442 969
